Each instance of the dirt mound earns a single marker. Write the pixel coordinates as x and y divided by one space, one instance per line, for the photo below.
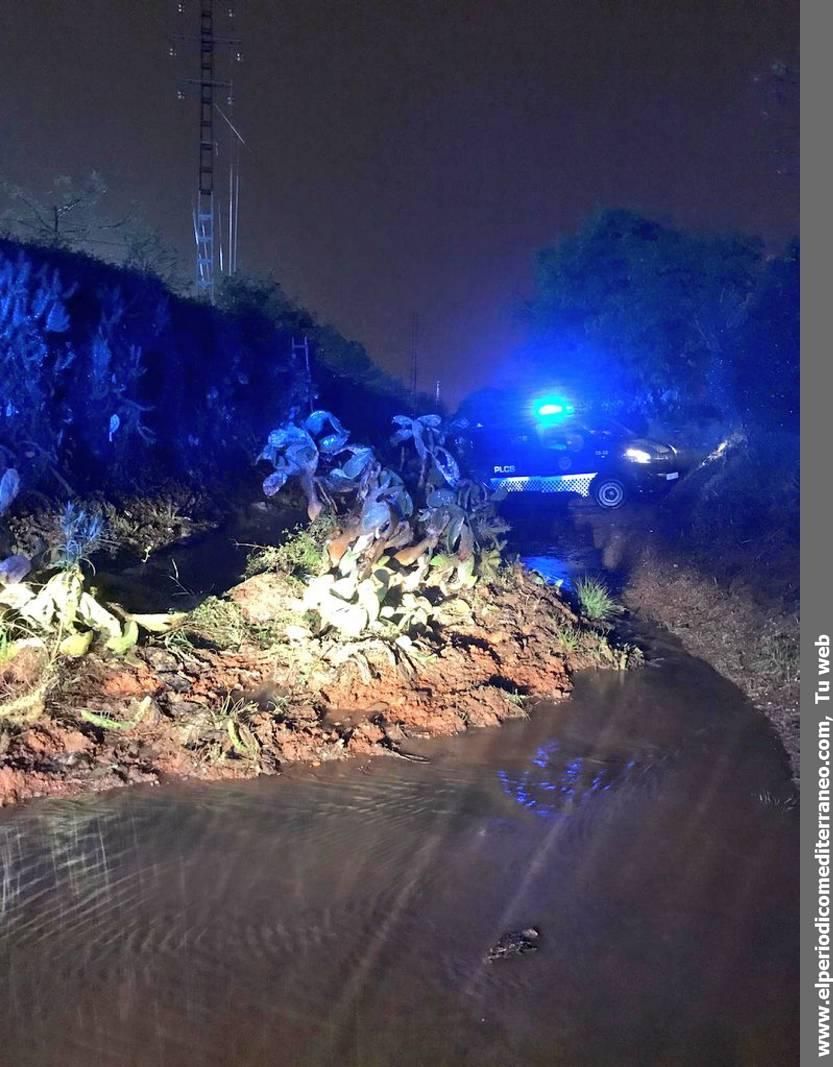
180 710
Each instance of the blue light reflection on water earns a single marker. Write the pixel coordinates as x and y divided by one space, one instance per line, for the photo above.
570 782
553 570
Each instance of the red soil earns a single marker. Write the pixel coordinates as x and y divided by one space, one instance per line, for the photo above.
174 707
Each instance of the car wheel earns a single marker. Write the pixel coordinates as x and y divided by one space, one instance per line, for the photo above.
608 492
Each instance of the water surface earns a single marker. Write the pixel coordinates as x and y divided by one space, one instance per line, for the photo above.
341 916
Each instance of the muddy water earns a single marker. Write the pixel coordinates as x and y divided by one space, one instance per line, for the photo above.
341 916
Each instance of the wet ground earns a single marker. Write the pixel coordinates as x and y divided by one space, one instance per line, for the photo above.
646 826
566 538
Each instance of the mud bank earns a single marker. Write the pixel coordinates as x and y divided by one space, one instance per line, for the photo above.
738 614
172 709
728 628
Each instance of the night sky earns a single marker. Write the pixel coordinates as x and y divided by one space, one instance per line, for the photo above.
410 158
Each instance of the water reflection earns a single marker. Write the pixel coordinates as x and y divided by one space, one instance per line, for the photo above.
554 571
559 782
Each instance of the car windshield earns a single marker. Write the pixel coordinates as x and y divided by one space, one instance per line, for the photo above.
603 427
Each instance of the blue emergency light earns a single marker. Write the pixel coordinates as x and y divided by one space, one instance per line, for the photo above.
552 408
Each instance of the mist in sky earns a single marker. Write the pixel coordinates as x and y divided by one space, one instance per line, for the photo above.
408 160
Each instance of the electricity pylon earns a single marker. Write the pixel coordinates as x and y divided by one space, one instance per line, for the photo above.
216 53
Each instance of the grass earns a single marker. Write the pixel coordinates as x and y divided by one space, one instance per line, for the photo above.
569 638
300 556
595 601
518 702
776 656
218 623
221 733
594 646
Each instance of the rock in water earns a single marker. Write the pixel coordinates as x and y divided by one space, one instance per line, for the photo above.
515 943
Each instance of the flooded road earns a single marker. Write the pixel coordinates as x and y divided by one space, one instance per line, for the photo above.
341 916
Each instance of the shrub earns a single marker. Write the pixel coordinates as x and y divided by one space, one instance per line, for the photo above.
217 623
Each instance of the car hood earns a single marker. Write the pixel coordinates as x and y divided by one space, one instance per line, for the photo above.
657 448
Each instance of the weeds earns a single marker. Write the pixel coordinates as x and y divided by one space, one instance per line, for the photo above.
597 605
601 652
301 555
631 656
516 699
776 656
221 733
81 533
569 638
146 524
178 641
215 622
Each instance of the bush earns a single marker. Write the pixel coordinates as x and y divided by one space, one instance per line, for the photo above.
650 320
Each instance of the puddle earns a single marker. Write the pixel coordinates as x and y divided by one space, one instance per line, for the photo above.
341 916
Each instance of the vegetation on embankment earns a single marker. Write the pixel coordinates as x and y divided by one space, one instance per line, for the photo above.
392 615
240 688
113 383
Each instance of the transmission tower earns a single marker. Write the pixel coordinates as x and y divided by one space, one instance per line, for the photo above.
216 55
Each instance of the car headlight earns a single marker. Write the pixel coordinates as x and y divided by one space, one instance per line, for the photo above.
638 455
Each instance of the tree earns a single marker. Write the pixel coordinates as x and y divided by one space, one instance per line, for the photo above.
766 370
642 316
64 216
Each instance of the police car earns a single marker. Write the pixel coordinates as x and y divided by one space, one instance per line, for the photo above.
559 451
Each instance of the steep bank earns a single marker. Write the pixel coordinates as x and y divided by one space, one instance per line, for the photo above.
114 383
